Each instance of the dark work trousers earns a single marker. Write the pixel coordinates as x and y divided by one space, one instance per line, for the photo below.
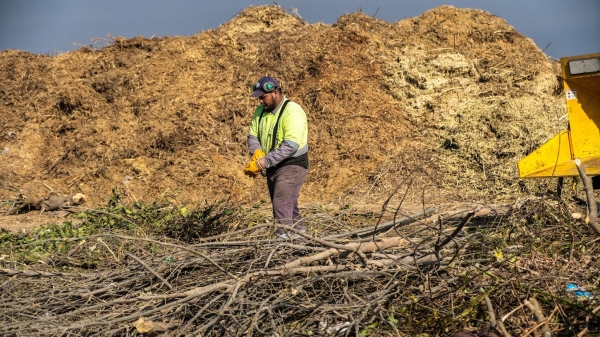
284 188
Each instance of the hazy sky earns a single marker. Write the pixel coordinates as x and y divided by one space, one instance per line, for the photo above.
569 27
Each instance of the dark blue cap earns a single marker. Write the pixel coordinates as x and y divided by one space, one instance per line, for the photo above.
264 85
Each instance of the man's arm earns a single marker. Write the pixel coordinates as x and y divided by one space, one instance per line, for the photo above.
253 144
287 149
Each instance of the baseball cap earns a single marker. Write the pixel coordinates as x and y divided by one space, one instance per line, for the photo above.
264 85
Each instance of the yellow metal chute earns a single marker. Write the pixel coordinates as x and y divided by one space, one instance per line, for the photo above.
555 158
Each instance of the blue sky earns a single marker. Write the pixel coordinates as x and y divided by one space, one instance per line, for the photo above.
569 27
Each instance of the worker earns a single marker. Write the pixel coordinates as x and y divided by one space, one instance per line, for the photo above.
278 144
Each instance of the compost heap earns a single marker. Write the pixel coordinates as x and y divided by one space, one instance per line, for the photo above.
450 100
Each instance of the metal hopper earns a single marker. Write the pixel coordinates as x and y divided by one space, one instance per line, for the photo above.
581 140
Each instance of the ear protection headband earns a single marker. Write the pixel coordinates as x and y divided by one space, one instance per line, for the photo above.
266 87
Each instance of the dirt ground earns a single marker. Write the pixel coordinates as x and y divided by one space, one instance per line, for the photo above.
446 108
27 221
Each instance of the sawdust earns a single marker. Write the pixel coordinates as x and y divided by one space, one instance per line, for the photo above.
451 100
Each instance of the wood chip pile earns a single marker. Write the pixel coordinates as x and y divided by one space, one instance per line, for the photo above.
455 93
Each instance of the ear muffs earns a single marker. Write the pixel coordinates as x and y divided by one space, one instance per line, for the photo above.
266 87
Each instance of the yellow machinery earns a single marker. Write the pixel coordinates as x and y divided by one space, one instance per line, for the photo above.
555 158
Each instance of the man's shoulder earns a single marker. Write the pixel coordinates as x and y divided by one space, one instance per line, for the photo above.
293 106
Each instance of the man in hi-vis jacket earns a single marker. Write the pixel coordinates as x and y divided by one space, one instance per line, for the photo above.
278 144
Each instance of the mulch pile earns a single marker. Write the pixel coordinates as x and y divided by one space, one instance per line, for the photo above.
455 104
